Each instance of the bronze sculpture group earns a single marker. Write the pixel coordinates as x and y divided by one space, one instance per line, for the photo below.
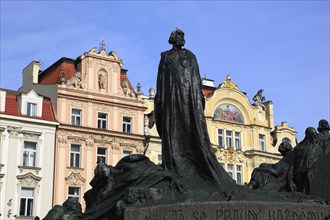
190 171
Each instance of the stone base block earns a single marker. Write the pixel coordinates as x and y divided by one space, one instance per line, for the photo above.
232 210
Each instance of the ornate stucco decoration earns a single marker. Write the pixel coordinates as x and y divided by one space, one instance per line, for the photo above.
14 131
112 55
126 89
76 81
28 179
230 155
76 138
115 146
127 112
75 179
89 144
77 104
31 134
228 84
140 149
103 108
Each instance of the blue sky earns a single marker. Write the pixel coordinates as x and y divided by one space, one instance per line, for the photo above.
279 46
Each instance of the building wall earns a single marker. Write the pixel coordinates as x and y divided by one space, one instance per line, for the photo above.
254 120
94 83
14 132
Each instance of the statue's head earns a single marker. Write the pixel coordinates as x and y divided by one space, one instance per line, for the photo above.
284 148
177 38
323 126
310 132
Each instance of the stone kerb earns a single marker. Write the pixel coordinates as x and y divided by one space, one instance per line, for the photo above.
232 210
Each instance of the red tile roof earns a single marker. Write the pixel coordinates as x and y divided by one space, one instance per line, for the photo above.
207 92
12 107
52 75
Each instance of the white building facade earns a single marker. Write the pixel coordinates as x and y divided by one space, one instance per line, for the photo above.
27 148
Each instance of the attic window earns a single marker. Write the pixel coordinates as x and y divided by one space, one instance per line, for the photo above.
31 109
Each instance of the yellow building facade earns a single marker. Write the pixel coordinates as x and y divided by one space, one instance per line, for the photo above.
242 134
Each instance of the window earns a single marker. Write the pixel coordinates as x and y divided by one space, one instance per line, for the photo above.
230 170
74 192
127 123
229 139
160 159
102 119
237 140
76 117
126 153
102 154
31 109
262 145
29 154
26 205
223 166
75 155
220 137
239 178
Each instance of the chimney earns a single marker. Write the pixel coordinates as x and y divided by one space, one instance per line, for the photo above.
30 73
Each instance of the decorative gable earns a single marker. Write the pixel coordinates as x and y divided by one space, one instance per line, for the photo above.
31 104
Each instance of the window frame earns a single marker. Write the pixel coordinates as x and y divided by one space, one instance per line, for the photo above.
262 142
239 172
127 126
232 171
32 112
75 116
238 140
105 156
125 153
26 160
73 156
74 195
100 121
26 202
220 136
229 139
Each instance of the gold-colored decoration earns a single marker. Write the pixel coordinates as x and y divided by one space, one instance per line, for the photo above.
228 84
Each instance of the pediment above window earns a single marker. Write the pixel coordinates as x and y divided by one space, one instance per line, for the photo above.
28 179
75 179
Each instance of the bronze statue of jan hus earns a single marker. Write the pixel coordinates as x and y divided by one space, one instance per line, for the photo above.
180 120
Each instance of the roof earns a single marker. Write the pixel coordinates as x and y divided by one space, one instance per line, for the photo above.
123 78
208 91
53 74
12 106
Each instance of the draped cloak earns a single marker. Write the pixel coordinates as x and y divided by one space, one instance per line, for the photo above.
180 120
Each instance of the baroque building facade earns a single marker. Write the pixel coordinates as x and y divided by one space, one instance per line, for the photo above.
242 133
99 115
27 136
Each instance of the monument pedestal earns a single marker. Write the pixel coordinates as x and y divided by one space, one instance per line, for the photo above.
232 210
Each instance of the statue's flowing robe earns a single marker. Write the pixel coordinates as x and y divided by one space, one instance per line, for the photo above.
180 120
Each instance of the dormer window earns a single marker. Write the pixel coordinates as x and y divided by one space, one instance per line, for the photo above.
31 109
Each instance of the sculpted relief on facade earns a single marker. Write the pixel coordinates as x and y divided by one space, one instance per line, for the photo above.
75 179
